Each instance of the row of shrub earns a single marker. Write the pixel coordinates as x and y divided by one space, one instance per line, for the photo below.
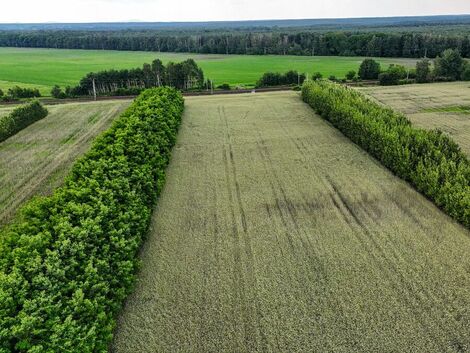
20 118
429 160
68 262
17 92
270 79
449 66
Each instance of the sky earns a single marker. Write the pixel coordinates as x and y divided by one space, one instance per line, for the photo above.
217 10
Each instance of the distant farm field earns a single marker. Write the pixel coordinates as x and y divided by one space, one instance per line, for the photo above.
444 106
35 160
45 68
275 233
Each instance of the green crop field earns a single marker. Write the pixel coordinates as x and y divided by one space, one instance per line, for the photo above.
275 233
44 68
35 160
444 106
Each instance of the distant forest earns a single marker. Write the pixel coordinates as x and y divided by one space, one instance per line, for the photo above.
412 37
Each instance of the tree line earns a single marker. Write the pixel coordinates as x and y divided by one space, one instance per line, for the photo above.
20 118
68 262
186 75
342 43
448 66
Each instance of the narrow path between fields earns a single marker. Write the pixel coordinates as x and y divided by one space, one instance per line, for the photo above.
275 233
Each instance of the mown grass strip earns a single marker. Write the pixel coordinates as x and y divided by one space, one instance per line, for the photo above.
20 118
68 262
429 160
452 109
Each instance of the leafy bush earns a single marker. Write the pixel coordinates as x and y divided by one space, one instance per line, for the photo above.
68 262
277 79
57 92
18 92
1 93
423 71
393 75
429 160
466 72
224 86
317 76
20 118
369 70
351 75
449 64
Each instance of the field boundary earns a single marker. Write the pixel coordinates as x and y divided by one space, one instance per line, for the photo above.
52 101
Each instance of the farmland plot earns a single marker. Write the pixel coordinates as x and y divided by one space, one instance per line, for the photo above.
35 160
275 233
444 106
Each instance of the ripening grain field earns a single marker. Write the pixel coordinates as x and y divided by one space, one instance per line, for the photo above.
444 106
275 233
35 160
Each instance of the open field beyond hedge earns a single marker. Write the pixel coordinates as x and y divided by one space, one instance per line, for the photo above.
275 233
35 160
444 106
44 68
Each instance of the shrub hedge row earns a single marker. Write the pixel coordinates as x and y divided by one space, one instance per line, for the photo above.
429 160
68 262
20 118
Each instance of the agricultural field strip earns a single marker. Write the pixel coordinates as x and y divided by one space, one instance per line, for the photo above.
275 233
35 160
418 101
44 68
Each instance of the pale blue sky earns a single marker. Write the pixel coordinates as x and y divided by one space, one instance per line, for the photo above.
216 10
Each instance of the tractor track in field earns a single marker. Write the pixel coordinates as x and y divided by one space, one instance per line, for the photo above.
275 233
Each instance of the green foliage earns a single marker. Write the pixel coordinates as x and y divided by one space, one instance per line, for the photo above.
57 92
351 75
185 75
429 160
391 42
423 71
20 118
369 70
1 93
68 262
449 64
393 75
270 79
465 72
317 76
224 86
19 92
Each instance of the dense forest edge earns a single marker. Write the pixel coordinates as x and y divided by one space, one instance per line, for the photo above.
409 37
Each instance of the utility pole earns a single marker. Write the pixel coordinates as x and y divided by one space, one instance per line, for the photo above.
94 89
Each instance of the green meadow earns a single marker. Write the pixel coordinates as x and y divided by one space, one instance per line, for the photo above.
44 68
